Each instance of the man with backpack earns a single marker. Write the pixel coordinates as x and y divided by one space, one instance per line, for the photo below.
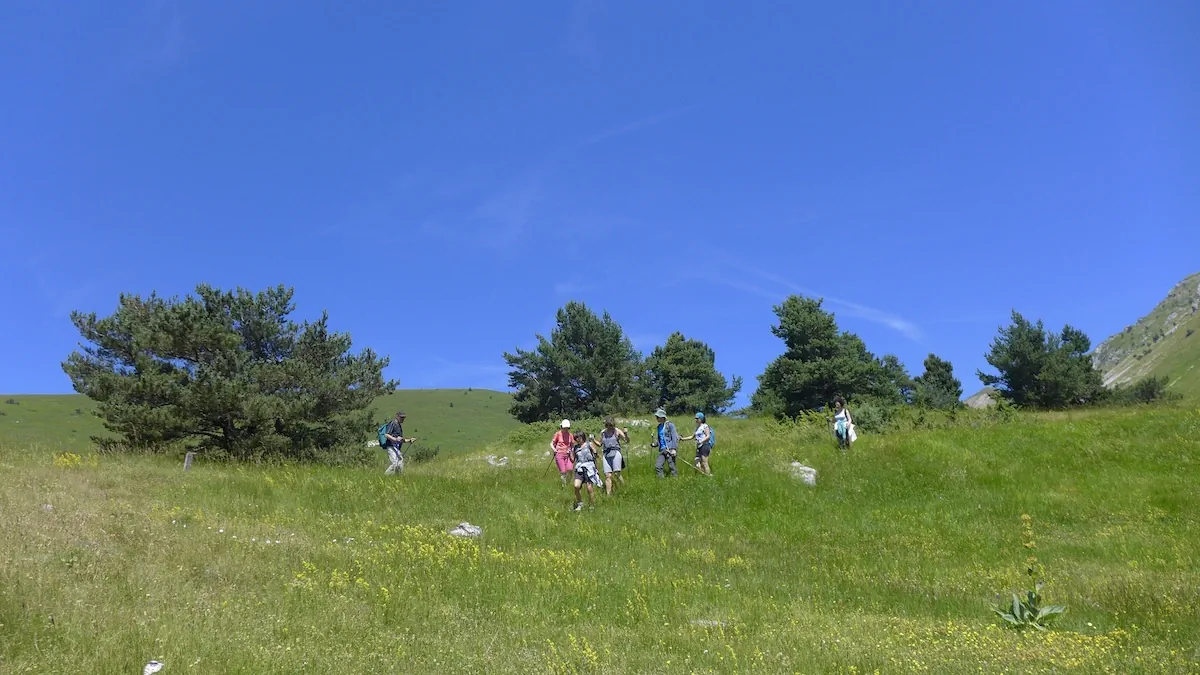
391 438
704 443
667 442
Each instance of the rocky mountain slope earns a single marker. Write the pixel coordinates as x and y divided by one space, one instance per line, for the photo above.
1164 342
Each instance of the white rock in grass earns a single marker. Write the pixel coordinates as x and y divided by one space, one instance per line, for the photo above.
497 461
466 530
708 623
804 473
152 667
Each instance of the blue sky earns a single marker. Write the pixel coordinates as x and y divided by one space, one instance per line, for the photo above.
441 178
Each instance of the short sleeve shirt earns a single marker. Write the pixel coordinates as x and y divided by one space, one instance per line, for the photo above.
394 428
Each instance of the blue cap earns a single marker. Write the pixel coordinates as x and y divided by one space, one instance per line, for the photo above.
699 415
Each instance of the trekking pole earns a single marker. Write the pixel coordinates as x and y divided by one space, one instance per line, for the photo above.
698 469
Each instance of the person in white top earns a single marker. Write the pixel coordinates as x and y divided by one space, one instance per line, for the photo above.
703 437
843 423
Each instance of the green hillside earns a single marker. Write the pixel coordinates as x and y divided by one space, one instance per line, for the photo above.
63 422
455 419
1165 342
889 564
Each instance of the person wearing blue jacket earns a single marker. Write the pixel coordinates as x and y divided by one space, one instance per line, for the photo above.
667 443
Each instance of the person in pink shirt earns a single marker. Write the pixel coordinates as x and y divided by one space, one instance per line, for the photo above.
561 446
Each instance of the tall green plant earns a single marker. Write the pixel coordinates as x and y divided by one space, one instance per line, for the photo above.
1027 610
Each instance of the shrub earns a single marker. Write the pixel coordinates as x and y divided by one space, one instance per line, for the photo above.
1147 390
421 453
12 401
537 435
871 415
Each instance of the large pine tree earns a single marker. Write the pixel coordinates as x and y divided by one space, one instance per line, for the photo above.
684 378
818 362
228 372
1041 369
587 366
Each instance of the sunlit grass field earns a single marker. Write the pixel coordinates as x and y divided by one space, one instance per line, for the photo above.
454 420
890 564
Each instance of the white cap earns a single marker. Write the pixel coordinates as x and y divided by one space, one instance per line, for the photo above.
566 424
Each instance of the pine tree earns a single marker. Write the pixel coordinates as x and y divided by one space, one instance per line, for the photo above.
818 363
1040 369
587 367
227 372
937 387
684 378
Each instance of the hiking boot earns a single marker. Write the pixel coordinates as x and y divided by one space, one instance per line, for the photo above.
578 506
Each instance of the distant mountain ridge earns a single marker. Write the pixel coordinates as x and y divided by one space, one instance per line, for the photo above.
1162 343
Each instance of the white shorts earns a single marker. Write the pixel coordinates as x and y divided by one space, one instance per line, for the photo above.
613 462
586 473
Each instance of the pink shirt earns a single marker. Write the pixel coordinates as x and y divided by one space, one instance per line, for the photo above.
563 442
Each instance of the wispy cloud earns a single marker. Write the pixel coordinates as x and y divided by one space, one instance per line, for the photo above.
159 40
978 317
840 305
510 208
646 342
739 285
578 38
636 125
59 296
565 288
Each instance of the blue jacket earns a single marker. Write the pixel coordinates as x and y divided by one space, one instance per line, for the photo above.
670 436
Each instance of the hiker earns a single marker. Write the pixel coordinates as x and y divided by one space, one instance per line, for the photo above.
561 447
584 455
703 436
843 423
667 443
614 461
394 440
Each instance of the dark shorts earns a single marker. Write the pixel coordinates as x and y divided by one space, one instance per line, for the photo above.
704 450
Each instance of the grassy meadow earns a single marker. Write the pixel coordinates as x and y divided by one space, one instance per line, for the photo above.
456 420
890 564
